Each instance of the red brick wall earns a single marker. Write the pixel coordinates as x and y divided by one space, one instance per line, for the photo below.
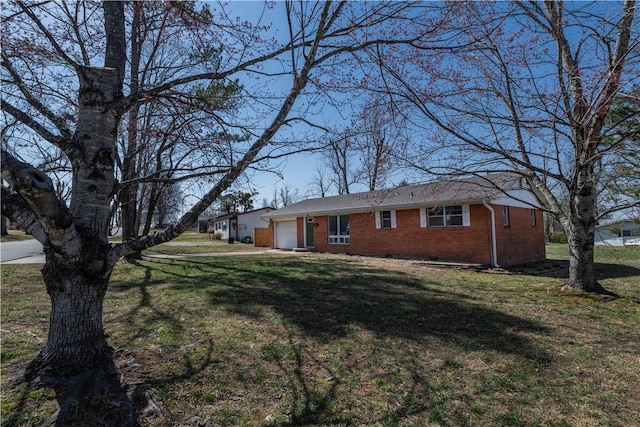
272 234
517 244
300 227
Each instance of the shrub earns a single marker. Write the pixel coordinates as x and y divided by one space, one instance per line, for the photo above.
558 237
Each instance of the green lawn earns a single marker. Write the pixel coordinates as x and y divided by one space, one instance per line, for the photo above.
324 340
193 242
204 247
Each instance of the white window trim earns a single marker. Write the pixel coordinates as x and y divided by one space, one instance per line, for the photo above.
533 219
394 222
466 218
339 239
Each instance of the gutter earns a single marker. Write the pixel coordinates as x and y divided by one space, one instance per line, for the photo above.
494 250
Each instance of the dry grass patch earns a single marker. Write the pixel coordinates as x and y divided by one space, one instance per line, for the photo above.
333 340
15 236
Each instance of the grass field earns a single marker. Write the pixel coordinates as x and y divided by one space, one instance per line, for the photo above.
315 339
15 236
204 247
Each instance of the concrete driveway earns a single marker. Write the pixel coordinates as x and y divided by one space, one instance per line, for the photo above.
22 252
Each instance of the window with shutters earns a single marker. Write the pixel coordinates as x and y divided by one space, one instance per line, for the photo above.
445 216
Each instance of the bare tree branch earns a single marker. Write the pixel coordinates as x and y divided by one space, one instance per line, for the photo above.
191 216
27 120
17 210
47 34
41 108
37 190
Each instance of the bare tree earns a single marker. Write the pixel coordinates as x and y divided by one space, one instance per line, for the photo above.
367 152
320 184
167 206
170 137
341 159
284 196
527 87
287 195
379 140
64 69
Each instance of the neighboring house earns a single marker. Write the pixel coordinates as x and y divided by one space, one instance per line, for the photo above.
618 233
248 221
239 226
465 220
225 225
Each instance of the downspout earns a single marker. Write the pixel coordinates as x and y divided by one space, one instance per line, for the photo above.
494 248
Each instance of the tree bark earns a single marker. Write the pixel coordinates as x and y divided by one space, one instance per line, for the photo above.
129 190
76 362
580 229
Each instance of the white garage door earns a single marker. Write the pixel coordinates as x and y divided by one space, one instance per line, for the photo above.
286 234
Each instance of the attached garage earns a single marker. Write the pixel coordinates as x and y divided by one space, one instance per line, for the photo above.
286 234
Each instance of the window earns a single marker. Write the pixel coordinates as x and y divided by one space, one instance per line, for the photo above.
445 216
386 219
533 217
339 229
505 215
626 233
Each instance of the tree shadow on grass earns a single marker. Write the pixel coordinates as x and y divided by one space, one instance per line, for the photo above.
327 297
324 297
559 269
614 271
169 318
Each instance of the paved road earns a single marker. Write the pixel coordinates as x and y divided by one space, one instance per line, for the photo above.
13 251
30 252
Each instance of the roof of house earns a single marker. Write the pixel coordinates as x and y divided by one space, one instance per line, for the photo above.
253 211
467 190
228 215
624 222
232 215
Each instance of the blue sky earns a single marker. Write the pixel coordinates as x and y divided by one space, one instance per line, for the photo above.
299 170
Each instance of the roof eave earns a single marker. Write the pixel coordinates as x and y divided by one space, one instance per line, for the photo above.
404 206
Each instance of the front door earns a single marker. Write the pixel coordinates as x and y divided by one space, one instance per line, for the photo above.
309 232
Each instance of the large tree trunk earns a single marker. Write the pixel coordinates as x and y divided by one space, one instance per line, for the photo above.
129 191
580 229
76 361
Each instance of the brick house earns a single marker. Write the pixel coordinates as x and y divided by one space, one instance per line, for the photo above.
490 220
